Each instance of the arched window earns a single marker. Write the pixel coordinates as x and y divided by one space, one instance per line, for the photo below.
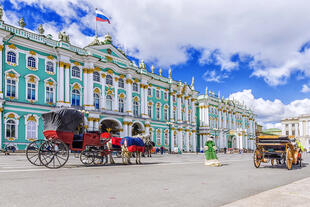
109 80
49 67
109 102
76 97
149 110
166 138
121 83
96 76
75 72
11 57
11 88
158 112
136 108
31 130
121 105
135 87
149 92
10 129
49 94
166 114
31 91
165 95
96 100
31 62
157 94
158 137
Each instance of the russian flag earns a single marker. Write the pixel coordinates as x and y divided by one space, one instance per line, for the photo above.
101 17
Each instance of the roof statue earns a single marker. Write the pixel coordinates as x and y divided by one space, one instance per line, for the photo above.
62 36
152 68
206 91
95 42
41 29
160 71
107 39
170 73
142 65
1 12
219 95
192 84
22 23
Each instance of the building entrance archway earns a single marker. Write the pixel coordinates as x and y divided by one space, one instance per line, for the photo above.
111 126
137 128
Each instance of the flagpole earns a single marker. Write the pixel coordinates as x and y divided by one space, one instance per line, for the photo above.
96 25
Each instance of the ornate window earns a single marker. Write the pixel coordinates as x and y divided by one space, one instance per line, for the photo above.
96 100
166 113
31 91
121 105
96 76
31 130
10 129
158 111
136 108
173 97
31 62
109 102
49 67
76 72
109 80
165 95
76 97
174 114
150 109
135 87
11 57
158 94
11 88
121 83
166 137
49 94
149 92
158 137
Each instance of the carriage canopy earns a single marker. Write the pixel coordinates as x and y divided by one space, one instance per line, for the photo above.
66 120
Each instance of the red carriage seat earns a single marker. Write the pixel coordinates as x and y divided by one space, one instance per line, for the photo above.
105 135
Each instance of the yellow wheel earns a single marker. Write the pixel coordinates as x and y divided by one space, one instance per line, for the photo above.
289 159
257 158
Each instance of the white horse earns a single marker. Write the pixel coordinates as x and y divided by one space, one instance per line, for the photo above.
126 155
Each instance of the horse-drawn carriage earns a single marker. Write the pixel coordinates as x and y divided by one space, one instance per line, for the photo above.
277 150
64 131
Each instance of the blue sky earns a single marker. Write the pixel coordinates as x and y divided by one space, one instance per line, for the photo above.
254 52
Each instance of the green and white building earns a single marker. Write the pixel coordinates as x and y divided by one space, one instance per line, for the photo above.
39 74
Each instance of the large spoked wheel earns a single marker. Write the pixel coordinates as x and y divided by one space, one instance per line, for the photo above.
87 157
257 158
32 152
54 153
289 159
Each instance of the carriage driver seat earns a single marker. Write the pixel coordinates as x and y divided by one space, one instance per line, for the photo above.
78 137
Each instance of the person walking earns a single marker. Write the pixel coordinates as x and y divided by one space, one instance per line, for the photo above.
162 150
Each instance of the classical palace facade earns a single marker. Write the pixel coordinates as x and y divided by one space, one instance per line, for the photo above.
39 74
298 127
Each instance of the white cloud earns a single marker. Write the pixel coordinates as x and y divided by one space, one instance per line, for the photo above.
218 58
271 112
305 89
158 30
212 76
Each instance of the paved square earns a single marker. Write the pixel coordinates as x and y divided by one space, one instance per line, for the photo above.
163 180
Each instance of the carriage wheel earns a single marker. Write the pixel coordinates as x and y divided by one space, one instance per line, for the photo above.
289 159
32 152
257 158
98 159
54 153
87 157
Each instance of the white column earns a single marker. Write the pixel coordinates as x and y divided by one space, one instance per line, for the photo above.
172 140
129 95
301 129
91 90
145 100
220 124
1 110
201 142
60 84
1 86
130 129
102 98
201 115
229 120
125 129
115 102
194 141
206 114
171 108
142 99
67 86
96 125
187 140
179 137
193 113
85 84
90 124
186 109
290 129
179 118
296 130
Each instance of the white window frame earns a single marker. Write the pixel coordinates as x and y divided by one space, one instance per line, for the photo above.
28 55
157 90
81 72
110 109
96 81
16 51
158 118
165 95
98 94
36 83
138 109
16 119
158 136
166 137
54 67
46 84
36 121
111 79
16 78
119 104
151 106
151 89
123 86
133 87
80 91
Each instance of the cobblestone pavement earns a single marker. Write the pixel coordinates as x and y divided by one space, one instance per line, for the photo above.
169 180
